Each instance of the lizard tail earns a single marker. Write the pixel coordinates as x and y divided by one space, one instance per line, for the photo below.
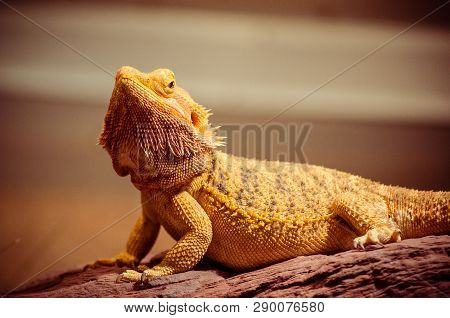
420 213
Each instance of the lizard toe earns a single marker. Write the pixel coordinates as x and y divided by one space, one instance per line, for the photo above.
129 276
358 243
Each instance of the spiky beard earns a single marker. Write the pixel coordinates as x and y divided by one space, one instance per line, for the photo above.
167 167
154 147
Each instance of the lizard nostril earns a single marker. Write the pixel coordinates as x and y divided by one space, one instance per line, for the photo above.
119 73
126 71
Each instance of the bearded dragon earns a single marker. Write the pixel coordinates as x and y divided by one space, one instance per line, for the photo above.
242 213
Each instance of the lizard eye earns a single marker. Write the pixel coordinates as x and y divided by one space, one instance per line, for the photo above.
171 84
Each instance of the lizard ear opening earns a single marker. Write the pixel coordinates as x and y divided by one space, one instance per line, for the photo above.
199 119
195 119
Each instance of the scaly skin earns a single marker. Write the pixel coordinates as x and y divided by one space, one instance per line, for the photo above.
242 213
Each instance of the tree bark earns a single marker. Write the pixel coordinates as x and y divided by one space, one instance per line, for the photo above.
412 268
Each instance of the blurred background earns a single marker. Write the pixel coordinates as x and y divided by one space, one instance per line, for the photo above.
388 118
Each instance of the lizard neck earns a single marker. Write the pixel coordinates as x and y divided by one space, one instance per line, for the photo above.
174 173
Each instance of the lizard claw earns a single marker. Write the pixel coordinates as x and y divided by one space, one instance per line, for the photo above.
358 244
129 276
119 278
146 277
377 237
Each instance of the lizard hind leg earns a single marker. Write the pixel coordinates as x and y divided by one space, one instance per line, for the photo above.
368 215
377 236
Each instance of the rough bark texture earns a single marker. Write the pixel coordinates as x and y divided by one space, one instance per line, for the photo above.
412 268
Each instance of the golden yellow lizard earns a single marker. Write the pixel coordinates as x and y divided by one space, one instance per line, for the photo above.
242 213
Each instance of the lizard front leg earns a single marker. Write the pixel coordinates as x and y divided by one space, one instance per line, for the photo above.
140 241
189 250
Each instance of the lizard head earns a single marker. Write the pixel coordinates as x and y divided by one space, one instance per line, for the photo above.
154 131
